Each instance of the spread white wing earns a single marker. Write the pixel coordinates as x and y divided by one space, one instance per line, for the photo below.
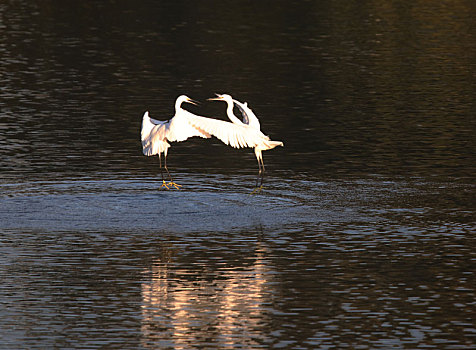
180 129
153 135
230 134
249 117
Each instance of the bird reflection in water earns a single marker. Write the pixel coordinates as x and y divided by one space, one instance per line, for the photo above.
223 307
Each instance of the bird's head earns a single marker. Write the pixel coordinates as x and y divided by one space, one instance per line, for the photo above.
184 98
222 97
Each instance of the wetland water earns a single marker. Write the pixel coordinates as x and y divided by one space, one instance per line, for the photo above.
363 236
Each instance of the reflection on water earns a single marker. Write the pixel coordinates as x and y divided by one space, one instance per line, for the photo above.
362 238
183 307
322 264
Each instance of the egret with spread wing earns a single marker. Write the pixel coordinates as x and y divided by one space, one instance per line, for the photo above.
156 134
244 133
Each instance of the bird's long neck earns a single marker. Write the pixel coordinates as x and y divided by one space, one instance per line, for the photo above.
231 115
178 106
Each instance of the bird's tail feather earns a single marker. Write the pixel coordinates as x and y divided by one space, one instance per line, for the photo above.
271 144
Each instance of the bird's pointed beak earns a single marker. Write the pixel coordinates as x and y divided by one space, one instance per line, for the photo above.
192 101
218 98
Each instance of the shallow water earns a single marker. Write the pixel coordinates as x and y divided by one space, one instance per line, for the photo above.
363 236
119 263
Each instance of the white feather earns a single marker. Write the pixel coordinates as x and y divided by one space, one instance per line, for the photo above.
155 134
235 135
249 117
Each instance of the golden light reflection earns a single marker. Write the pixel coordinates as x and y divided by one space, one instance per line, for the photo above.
225 307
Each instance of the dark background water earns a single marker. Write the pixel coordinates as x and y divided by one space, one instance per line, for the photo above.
362 238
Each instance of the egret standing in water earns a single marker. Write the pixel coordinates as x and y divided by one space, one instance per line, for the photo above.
245 133
156 134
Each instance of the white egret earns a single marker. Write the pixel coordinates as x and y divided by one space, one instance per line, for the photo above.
239 133
249 117
156 134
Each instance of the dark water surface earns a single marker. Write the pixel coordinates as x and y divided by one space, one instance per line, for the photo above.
362 238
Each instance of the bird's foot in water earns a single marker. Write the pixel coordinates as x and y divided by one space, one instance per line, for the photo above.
257 190
173 184
165 185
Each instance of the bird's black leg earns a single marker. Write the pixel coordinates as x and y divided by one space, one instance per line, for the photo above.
166 169
162 173
259 179
171 182
160 167
262 172
259 173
